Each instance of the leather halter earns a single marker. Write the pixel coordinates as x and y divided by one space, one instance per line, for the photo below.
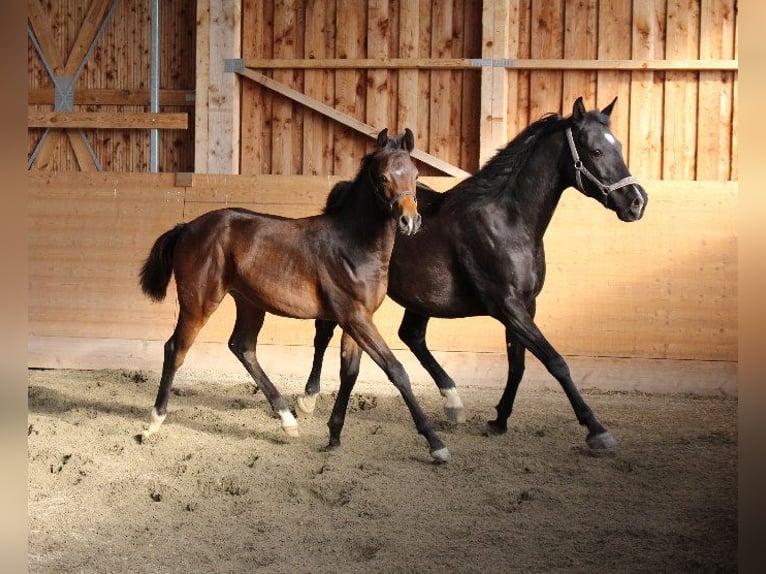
389 203
580 168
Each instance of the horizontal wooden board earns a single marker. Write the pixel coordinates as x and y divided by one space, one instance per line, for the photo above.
663 287
107 120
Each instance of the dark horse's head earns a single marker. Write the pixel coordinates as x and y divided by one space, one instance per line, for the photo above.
599 170
395 175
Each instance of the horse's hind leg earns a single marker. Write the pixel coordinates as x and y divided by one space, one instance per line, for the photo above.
412 332
243 343
350 355
175 351
516 356
324 330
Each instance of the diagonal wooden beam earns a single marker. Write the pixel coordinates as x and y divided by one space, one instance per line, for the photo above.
80 148
88 30
345 119
41 26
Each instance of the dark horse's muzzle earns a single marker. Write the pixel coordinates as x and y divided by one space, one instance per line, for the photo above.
628 202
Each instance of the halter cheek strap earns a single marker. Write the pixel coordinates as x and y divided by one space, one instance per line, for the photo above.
581 170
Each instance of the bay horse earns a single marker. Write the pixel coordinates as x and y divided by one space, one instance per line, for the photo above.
480 252
332 266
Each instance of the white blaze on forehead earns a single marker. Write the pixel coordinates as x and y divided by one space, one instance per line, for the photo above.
610 138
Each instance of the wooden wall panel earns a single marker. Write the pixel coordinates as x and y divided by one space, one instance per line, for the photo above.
120 61
664 287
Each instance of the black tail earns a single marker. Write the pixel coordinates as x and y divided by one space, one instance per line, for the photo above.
158 267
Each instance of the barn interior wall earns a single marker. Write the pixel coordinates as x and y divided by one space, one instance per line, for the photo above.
652 289
662 288
674 124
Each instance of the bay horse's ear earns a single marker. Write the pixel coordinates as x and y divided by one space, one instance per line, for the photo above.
607 111
408 140
578 110
382 140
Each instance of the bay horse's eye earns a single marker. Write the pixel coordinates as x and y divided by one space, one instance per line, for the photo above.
597 153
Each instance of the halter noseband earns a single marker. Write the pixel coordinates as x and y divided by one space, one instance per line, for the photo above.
580 168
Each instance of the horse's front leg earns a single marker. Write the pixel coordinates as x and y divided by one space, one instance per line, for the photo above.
516 356
323 334
519 322
369 339
412 332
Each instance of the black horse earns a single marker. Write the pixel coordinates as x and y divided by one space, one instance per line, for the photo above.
480 251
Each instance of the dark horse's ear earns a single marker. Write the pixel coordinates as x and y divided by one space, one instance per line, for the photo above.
578 110
607 111
382 140
408 140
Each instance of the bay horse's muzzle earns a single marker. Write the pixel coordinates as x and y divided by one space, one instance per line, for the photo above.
408 219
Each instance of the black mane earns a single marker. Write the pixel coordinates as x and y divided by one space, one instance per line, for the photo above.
499 174
340 192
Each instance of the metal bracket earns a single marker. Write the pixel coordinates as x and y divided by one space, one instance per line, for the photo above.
63 93
234 65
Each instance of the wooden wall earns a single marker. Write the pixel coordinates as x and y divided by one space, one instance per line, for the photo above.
114 81
672 63
664 287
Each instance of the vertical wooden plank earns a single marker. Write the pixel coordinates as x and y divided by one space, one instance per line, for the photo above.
547 42
440 138
680 134
519 110
284 25
647 91
378 86
455 84
715 91
734 172
223 22
317 131
409 36
471 89
493 107
201 123
423 132
349 84
513 77
614 42
581 34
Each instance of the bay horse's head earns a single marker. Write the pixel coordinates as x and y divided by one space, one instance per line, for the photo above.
395 175
599 170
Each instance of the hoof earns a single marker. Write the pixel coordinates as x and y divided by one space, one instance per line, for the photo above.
441 454
455 415
331 447
291 431
603 440
306 404
494 429
156 421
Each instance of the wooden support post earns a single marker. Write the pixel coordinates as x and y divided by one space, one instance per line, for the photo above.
216 139
493 122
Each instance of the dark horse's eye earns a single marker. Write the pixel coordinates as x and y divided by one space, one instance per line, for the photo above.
597 153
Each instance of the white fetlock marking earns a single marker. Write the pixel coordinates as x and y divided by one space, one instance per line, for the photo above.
441 455
156 422
453 406
452 399
289 424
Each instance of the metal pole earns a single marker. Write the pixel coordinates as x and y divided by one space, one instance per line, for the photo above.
154 86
